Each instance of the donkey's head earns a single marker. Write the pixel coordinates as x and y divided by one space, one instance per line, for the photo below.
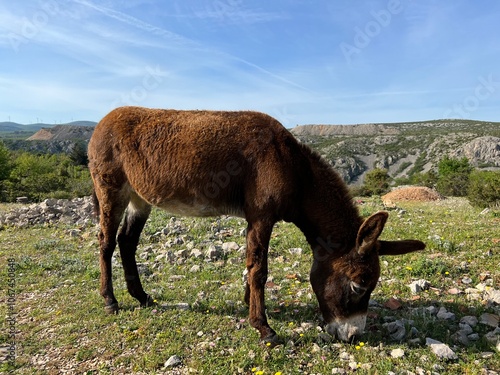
343 284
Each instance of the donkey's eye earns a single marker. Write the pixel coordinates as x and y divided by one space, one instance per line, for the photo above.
357 289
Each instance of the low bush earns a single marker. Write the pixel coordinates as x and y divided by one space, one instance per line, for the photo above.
484 189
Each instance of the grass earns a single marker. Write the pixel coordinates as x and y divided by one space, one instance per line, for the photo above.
61 325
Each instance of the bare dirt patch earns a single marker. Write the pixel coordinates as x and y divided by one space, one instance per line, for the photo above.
412 193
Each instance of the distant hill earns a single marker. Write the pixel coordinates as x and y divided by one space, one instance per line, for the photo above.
8 126
402 148
63 133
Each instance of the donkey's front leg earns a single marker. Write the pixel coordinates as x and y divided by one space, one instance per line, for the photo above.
128 239
258 236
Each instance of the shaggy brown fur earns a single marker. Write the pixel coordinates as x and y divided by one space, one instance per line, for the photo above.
205 163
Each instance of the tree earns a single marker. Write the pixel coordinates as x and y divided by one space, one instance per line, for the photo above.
453 176
35 176
78 154
484 189
5 163
376 182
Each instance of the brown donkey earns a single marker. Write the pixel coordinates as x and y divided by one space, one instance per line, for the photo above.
206 163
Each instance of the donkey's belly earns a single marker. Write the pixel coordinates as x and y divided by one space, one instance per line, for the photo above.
198 209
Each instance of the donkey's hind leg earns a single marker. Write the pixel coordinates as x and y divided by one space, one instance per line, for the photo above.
128 238
111 207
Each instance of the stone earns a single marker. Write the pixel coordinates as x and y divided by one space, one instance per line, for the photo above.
397 330
397 353
196 253
419 286
173 361
441 350
213 252
489 319
493 296
295 251
393 304
444 314
466 280
461 337
473 337
464 327
230 246
493 336
469 320
195 268
338 370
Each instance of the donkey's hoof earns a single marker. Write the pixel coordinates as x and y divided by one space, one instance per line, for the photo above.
111 309
272 341
149 302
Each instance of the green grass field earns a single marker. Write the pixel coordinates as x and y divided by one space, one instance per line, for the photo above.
61 326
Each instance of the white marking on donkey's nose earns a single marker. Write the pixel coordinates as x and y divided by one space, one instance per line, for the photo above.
346 329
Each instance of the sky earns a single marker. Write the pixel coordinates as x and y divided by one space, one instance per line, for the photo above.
301 61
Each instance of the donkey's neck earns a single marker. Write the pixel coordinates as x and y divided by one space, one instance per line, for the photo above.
328 217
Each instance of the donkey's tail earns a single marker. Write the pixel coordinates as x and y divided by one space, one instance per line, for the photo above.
96 203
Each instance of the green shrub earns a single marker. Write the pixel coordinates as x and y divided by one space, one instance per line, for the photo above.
41 176
453 176
484 189
376 182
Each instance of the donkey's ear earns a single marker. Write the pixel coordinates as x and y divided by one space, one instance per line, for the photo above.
400 247
369 232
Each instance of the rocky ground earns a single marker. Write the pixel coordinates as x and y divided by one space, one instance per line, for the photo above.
465 330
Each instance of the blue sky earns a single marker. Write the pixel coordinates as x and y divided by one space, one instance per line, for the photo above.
301 61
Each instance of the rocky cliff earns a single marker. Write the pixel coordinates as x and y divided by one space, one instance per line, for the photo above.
403 149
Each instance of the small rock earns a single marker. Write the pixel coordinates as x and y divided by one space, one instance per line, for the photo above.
183 254
454 291
445 315
344 356
489 319
353 365
175 306
213 252
441 350
397 353
493 336
473 337
173 361
433 310
196 253
295 251
195 268
230 246
397 330
464 327
176 277
393 304
493 296
419 285
461 337
469 320
338 370
466 280
315 348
